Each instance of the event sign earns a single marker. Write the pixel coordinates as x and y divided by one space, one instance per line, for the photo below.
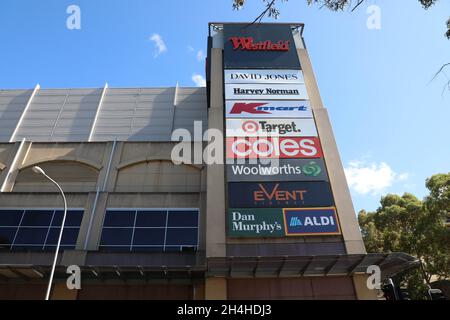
279 194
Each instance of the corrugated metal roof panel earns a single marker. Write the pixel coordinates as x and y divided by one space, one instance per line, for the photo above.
134 114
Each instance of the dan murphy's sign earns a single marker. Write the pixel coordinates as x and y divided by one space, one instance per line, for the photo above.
255 223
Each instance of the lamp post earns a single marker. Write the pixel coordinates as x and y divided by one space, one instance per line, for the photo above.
39 170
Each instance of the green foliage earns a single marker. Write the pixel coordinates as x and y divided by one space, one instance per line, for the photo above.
407 224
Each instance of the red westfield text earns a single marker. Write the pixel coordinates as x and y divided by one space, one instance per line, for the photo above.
283 148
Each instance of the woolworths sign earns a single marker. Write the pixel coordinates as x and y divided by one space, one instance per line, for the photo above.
255 223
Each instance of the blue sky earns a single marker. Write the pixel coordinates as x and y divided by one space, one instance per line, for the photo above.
390 121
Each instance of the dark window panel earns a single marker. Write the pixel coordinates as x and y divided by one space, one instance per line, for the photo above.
119 219
69 237
183 219
7 236
73 218
35 236
61 248
148 249
119 236
114 249
10 218
149 237
37 218
28 248
182 236
151 219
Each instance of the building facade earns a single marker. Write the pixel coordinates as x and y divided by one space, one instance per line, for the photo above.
142 227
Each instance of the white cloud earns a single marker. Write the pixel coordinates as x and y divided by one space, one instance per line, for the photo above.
199 80
160 45
200 55
373 178
190 48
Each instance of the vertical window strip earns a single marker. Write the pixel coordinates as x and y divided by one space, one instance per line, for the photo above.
134 229
17 230
48 230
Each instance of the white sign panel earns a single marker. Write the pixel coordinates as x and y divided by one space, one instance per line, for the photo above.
268 109
266 91
264 76
271 128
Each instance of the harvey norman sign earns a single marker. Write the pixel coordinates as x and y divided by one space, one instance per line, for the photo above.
277 170
266 91
268 109
271 127
264 76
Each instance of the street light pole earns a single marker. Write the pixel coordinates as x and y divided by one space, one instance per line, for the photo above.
39 170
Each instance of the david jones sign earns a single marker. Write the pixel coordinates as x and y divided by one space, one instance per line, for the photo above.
264 76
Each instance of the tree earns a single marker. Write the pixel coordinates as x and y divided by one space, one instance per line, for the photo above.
336 5
407 224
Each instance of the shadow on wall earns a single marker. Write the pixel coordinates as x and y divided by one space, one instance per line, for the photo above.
158 176
71 175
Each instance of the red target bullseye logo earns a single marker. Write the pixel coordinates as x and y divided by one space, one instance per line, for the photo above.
250 126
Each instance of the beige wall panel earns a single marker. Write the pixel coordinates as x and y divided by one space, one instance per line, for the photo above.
215 202
158 176
215 289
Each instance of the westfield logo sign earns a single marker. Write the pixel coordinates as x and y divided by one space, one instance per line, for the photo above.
248 44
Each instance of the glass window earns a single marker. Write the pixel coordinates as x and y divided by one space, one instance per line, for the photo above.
149 236
151 219
151 231
29 229
183 219
31 236
182 236
37 218
116 236
70 236
10 218
7 236
73 218
119 219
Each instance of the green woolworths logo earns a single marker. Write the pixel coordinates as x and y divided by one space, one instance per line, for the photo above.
312 169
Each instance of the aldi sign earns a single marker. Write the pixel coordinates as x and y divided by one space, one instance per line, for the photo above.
264 76
279 195
268 109
255 223
277 170
311 221
271 127
266 91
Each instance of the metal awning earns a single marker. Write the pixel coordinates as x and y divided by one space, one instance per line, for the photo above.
229 267
291 266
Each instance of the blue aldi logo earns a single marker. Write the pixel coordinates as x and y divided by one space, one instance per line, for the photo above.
311 221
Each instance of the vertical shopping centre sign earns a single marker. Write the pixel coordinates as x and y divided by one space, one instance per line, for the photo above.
268 116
